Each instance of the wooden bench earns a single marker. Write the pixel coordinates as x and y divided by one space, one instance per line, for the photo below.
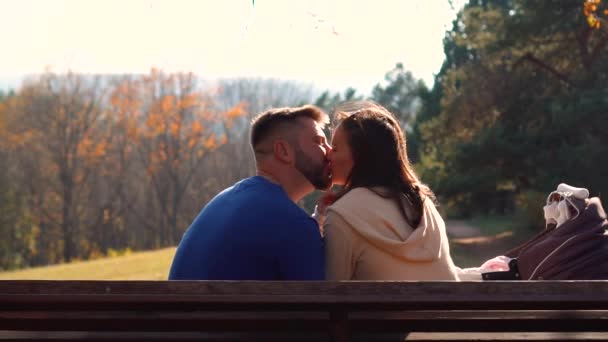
336 311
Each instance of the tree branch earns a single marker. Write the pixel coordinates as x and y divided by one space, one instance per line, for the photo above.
582 40
529 57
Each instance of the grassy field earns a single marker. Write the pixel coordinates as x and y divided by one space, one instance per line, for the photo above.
494 235
153 265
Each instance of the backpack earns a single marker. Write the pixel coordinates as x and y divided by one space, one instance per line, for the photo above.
576 250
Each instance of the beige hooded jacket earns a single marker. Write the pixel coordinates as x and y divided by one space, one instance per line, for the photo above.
367 238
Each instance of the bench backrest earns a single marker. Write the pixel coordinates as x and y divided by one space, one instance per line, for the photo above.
352 295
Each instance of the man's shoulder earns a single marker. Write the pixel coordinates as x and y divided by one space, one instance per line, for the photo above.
248 187
267 199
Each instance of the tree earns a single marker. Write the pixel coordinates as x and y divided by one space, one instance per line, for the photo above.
16 248
329 102
399 94
53 125
176 129
518 75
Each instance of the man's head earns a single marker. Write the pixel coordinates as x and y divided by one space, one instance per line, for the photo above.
293 138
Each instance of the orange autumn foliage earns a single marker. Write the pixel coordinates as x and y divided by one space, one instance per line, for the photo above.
236 112
590 10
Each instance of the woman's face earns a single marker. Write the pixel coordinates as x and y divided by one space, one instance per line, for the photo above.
341 157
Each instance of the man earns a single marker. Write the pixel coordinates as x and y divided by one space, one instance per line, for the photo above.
254 230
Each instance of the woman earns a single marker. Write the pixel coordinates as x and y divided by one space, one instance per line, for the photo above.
383 224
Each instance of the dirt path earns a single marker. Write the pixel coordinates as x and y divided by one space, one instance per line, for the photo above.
461 229
470 247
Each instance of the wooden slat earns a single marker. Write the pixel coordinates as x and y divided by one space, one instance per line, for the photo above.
552 295
333 308
366 288
307 315
305 337
294 321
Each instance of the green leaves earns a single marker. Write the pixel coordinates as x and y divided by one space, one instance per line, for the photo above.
521 102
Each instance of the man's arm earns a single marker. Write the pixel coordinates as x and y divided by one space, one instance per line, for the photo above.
301 252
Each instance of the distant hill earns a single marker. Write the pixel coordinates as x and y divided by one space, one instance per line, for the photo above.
151 265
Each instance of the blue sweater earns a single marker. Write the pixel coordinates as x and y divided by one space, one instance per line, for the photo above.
251 231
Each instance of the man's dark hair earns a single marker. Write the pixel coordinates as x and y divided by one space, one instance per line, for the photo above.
268 123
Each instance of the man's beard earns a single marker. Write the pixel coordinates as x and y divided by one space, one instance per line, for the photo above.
314 172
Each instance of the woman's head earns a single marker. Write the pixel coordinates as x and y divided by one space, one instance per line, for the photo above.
369 150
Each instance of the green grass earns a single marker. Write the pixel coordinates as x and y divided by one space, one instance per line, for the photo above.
151 265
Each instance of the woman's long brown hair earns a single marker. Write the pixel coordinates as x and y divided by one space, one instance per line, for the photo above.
380 160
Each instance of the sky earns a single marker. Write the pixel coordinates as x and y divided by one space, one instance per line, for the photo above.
328 43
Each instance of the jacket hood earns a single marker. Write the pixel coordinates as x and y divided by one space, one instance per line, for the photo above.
380 221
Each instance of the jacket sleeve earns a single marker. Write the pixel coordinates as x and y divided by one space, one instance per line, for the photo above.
339 256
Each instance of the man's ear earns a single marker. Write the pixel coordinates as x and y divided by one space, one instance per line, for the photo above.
283 151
